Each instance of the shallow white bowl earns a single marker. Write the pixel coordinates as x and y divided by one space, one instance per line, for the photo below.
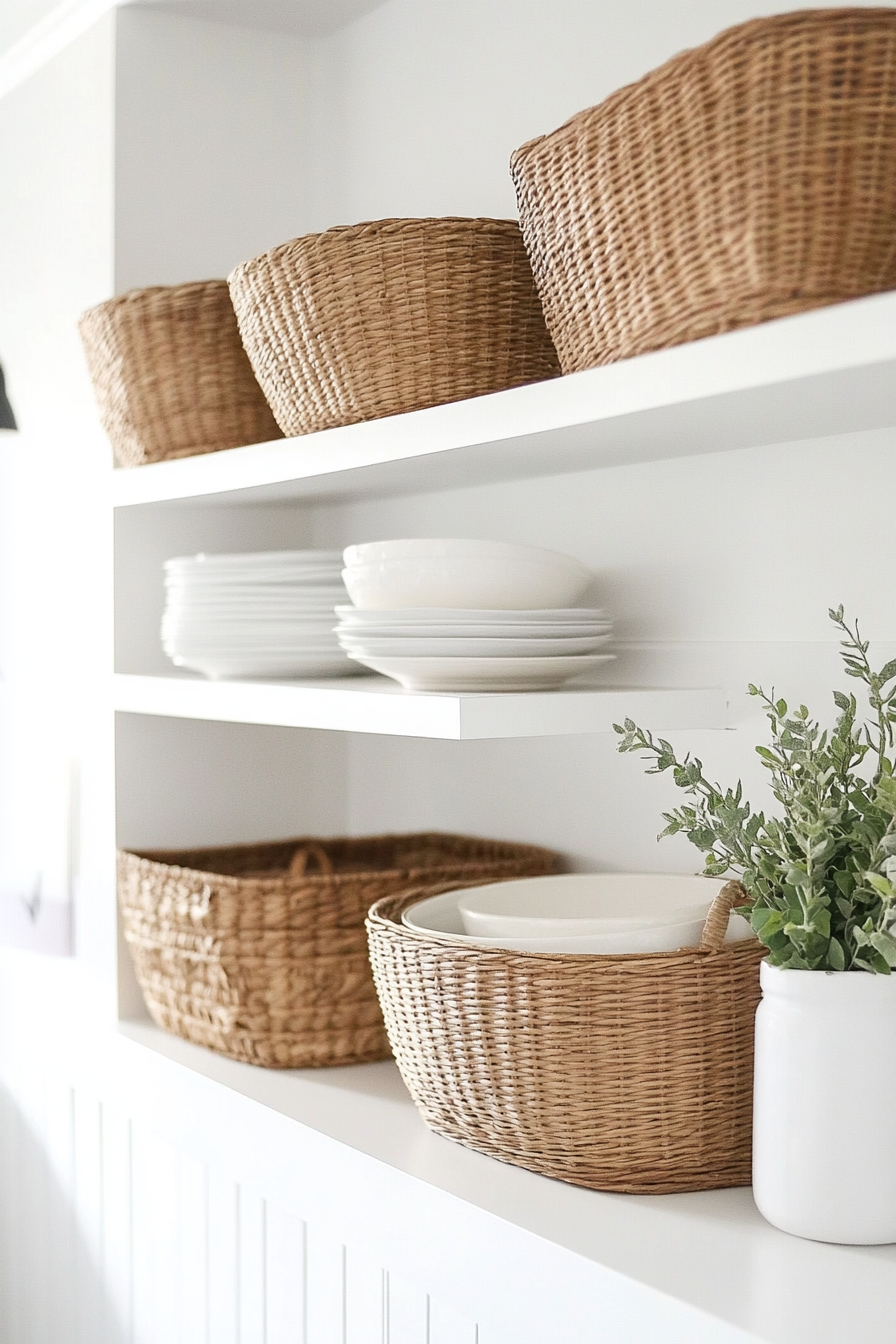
440 915
578 904
520 583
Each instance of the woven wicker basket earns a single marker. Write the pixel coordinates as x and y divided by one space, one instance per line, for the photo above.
747 179
627 1073
362 322
170 374
245 951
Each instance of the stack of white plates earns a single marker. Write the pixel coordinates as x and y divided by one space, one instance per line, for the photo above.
449 614
263 614
452 649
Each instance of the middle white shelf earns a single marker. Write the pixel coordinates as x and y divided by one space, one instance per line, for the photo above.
377 705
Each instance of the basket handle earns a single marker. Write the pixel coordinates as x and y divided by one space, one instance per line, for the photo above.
730 896
298 864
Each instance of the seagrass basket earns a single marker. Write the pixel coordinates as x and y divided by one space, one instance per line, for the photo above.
259 951
170 374
626 1073
393 315
744 180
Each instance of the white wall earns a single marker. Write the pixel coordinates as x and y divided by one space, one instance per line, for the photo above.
55 260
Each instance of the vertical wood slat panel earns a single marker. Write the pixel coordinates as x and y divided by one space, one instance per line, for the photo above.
193 1178
156 1258
446 1326
59 1151
29 1194
251 1267
117 1262
407 1312
88 1213
10 1221
284 1276
325 1279
223 1259
364 1300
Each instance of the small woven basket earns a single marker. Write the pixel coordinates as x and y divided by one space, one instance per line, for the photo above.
747 179
357 323
246 951
170 374
626 1073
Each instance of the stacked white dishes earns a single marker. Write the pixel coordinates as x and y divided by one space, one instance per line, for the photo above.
262 614
585 913
453 615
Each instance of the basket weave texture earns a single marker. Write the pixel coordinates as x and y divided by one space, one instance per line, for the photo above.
744 180
170 374
246 951
389 316
625 1073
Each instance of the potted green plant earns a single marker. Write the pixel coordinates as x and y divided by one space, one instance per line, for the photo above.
819 872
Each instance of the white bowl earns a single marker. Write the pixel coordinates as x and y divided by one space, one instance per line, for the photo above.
371 552
578 904
440 915
518 583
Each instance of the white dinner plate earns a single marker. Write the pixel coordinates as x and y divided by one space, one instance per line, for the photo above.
554 630
220 666
368 645
256 559
414 616
485 674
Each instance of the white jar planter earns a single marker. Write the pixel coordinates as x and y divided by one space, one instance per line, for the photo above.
824 1105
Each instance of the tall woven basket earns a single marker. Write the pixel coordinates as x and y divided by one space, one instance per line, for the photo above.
626 1073
747 179
394 315
259 951
170 374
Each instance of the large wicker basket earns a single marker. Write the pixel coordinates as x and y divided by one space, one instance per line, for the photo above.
357 323
747 179
170 374
246 951
626 1073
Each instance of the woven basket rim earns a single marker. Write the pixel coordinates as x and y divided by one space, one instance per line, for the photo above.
140 295
277 879
380 915
883 17
374 229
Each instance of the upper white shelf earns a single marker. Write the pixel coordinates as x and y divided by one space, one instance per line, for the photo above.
830 371
377 705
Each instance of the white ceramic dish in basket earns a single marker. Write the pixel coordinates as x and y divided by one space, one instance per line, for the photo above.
580 904
440 915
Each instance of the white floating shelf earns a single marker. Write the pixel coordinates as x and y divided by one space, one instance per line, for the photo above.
830 371
376 705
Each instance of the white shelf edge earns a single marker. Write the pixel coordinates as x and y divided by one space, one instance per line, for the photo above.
828 371
375 705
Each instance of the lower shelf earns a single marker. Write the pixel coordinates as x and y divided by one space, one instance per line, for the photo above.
704 1267
377 705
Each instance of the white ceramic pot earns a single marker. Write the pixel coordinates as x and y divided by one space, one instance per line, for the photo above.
824 1105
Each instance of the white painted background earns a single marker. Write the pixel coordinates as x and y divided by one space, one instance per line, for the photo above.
159 148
